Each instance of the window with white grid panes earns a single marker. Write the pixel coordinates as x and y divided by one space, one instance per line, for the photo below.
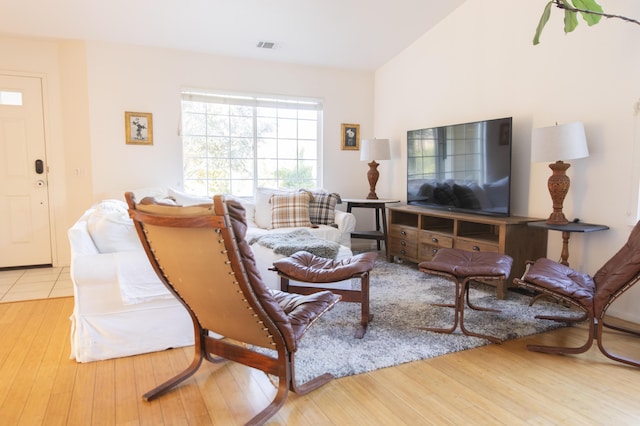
234 144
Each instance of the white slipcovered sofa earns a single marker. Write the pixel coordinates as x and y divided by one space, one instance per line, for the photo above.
322 219
121 307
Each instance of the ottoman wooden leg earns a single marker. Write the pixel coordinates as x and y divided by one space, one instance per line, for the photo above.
464 329
455 305
366 316
284 284
471 305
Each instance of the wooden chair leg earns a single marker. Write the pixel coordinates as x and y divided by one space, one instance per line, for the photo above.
614 356
309 385
568 350
619 328
198 355
563 319
278 401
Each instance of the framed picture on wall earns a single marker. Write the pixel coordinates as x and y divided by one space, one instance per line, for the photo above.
138 128
350 136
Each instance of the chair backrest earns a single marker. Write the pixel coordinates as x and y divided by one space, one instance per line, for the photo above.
621 271
199 252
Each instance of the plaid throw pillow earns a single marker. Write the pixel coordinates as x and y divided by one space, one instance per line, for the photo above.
322 209
290 210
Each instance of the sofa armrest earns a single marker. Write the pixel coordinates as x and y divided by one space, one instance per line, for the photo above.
346 221
79 238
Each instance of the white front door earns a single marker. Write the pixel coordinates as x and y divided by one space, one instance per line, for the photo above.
25 234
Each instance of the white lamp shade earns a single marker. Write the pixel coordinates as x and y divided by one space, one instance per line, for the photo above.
374 149
559 143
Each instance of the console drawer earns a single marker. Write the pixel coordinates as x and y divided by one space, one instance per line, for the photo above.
435 239
427 251
403 248
474 245
403 232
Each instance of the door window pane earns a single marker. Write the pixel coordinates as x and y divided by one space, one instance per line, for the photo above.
10 98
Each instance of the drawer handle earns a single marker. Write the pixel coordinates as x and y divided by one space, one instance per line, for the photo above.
435 240
403 233
434 250
475 248
403 251
403 243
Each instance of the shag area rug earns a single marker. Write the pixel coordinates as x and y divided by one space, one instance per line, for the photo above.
401 298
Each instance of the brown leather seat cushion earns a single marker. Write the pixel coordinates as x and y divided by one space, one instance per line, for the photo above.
309 268
302 310
562 280
462 263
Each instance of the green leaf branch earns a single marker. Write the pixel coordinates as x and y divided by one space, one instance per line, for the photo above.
590 11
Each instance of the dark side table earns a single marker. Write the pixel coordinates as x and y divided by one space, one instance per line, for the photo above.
566 233
379 206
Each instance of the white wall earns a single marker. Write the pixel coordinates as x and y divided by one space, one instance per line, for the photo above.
89 86
131 78
480 63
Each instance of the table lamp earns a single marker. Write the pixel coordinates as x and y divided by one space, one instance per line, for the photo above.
558 143
372 150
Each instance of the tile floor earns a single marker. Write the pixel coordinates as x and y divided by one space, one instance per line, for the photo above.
37 283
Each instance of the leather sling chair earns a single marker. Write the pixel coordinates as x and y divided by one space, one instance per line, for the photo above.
200 254
593 296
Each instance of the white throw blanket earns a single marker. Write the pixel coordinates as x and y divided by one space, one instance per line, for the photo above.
137 279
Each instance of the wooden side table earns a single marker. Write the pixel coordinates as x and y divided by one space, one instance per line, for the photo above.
379 206
566 233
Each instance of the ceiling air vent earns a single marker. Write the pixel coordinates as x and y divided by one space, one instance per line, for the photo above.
266 45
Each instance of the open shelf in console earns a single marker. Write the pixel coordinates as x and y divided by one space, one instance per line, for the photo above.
444 225
404 219
479 231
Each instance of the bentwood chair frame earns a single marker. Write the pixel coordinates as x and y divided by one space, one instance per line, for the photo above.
200 254
591 295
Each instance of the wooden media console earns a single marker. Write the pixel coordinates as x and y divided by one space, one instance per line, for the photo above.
416 234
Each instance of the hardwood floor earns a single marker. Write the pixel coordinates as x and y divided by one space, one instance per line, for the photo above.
494 384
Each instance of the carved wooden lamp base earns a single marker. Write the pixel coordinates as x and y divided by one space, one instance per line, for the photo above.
373 174
558 188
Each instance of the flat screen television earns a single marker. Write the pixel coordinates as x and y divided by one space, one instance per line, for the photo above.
462 167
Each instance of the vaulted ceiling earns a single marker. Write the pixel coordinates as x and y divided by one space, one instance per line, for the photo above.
352 34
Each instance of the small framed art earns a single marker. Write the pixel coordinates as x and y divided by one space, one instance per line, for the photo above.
138 128
350 136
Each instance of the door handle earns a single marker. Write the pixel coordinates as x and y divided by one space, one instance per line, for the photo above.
39 167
